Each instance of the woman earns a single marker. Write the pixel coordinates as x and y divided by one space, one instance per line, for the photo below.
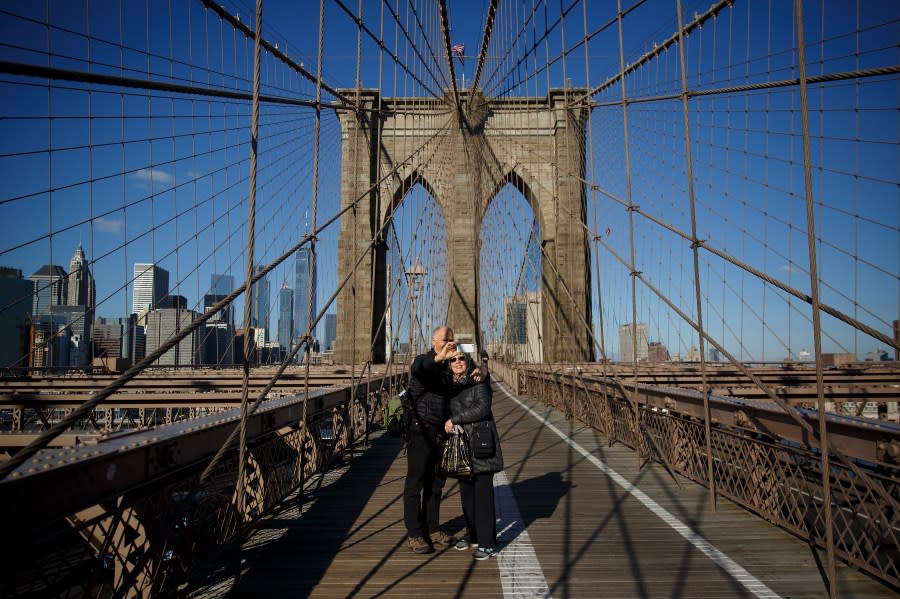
470 407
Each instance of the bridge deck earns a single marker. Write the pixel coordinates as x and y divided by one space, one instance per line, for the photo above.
568 527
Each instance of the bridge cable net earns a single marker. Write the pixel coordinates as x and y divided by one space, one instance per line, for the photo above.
732 217
135 158
657 186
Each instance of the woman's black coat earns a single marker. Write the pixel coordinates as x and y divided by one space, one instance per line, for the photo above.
470 408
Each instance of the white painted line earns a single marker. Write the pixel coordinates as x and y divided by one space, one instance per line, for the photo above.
750 582
520 571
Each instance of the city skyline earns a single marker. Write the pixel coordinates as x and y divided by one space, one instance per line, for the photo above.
61 286
163 177
53 285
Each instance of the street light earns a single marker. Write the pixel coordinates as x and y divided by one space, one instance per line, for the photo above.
414 284
492 347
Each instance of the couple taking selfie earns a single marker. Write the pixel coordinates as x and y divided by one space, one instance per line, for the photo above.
447 390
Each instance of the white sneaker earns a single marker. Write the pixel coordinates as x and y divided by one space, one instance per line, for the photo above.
483 553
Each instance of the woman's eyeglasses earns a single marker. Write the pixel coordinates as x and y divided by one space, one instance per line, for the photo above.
458 359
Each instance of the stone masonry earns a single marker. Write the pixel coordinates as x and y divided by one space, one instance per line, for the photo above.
464 154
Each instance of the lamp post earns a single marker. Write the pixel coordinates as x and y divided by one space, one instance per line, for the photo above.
414 284
492 347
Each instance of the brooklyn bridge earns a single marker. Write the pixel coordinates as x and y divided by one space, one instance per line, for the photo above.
670 229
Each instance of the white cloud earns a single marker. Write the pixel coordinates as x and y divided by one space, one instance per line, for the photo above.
109 225
153 175
787 268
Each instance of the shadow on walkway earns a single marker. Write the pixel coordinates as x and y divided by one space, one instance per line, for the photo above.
289 554
538 497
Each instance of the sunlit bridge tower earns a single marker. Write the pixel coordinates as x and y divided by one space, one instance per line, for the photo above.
509 141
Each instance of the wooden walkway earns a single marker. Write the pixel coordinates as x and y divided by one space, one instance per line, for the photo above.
570 527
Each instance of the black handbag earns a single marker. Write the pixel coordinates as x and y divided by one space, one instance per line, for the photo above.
482 440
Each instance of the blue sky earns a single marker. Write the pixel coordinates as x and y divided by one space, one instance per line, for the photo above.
136 178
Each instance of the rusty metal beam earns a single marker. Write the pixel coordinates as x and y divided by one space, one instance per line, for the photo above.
133 400
864 439
190 379
85 475
17 440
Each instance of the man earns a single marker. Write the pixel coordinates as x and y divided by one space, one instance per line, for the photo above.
424 480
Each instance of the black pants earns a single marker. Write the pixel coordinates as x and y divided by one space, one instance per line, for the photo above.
477 494
424 481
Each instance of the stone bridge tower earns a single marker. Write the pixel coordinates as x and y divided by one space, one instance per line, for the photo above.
464 155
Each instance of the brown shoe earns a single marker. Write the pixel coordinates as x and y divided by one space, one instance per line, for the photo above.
439 537
419 545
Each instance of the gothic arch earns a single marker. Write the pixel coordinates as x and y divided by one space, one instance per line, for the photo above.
534 143
404 186
521 179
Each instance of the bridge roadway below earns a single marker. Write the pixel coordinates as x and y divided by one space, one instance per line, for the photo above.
576 518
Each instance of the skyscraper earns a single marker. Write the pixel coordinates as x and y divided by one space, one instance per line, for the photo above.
259 304
61 336
305 275
285 316
221 284
151 285
217 343
173 301
49 341
81 290
165 323
16 294
515 320
330 330
522 328
219 288
50 288
657 352
115 337
225 315
107 336
626 338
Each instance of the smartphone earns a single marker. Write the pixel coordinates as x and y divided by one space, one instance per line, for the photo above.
466 348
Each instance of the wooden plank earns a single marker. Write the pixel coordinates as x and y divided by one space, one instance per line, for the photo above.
590 533
351 541
591 536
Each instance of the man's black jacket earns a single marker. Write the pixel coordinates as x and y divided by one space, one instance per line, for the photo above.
427 389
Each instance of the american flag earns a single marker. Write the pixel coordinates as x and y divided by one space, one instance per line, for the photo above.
458 50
